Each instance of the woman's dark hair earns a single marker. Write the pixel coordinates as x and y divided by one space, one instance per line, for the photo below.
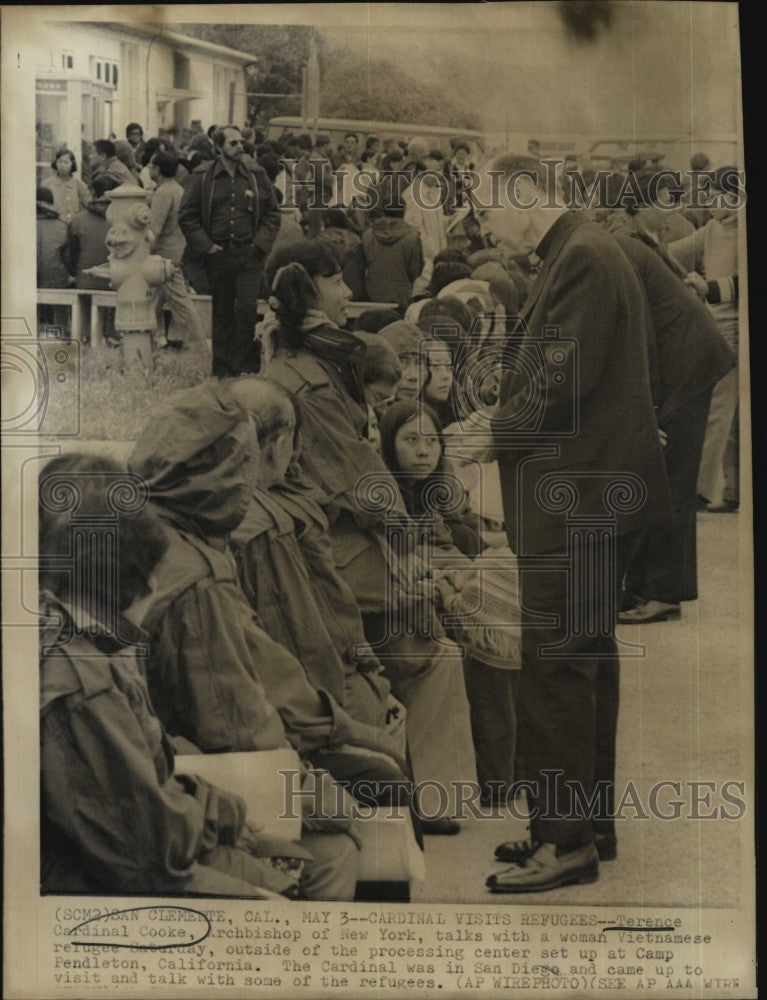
396 416
290 275
449 320
337 218
75 486
104 147
103 183
452 254
445 273
453 307
64 152
166 163
151 147
373 320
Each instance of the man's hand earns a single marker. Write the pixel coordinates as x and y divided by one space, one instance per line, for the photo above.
697 282
213 249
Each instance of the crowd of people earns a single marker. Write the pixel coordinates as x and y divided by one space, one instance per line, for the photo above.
315 536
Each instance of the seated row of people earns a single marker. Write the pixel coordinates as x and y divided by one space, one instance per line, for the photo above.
245 577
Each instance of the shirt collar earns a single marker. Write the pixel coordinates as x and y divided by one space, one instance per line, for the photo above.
221 168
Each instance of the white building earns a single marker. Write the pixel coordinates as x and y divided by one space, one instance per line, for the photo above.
93 78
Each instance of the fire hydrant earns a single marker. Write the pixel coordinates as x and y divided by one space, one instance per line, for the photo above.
133 272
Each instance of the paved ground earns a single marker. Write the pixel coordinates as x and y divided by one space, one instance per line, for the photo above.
686 715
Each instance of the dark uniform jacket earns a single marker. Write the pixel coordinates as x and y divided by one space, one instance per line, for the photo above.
202 213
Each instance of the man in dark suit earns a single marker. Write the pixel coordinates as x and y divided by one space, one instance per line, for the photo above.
582 471
687 358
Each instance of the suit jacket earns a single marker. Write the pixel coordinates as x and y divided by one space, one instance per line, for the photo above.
576 415
687 353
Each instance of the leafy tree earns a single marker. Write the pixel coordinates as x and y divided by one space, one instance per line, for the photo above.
352 84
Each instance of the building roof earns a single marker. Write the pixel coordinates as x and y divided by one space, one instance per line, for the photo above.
174 39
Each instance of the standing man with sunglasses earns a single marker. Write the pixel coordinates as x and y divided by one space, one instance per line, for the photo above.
230 218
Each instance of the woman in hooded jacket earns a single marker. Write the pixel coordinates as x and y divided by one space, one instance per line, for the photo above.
323 366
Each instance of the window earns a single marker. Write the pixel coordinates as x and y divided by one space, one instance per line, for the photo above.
67 60
104 70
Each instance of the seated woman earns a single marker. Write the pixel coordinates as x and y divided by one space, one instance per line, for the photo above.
381 374
323 366
405 339
441 390
414 449
114 817
327 637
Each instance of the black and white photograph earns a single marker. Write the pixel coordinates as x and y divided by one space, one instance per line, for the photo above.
377 501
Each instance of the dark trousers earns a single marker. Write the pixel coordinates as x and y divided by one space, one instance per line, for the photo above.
665 563
567 711
234 275
493 722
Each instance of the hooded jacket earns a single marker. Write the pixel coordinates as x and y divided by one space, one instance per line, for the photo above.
393 260
325 375
215 676
114 818
322 630
86 244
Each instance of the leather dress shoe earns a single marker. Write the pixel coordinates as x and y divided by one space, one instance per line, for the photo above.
650 611
513 852
725 507
545 869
